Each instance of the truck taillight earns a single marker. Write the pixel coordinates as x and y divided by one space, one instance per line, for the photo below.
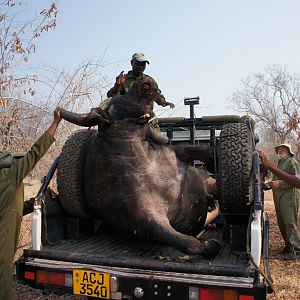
196 293
29 275
54 278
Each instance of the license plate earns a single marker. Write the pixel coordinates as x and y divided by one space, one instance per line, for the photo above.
90 283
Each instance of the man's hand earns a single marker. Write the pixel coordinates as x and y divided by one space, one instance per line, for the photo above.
165 103
276 184
120 79
57 115
265 162
56 119
172 105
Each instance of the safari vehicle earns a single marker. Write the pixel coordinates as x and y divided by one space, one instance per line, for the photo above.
80 256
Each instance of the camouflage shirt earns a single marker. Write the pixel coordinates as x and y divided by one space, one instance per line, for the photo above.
127 84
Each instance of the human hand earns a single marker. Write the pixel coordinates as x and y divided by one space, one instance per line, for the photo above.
120 79
265 162
265 186
276 184
172 105
57 114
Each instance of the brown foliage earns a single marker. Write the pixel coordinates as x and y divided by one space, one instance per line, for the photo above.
272 98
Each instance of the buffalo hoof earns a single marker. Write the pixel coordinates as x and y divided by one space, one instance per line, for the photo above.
211 248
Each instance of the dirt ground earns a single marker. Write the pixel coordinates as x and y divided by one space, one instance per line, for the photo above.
286 274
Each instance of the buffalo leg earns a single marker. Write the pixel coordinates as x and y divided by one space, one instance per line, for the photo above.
161 230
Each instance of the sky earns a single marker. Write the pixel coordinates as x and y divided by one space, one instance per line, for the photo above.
195 47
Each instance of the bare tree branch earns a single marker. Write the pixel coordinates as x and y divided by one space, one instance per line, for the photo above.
272 98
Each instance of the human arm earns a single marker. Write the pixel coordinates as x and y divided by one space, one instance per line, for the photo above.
162 101
116 89
56 120
25 164
293 180
291 166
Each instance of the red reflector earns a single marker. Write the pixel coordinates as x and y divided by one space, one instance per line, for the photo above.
29 275
52 278
244 297
210 294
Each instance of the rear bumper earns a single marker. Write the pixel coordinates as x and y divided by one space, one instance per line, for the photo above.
155 284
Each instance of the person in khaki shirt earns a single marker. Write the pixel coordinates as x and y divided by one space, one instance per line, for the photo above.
13 169
124 83
291 179
286 200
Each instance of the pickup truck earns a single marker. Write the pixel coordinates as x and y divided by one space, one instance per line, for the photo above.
80 256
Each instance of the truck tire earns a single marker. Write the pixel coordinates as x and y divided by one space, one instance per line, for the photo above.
70 172
234 182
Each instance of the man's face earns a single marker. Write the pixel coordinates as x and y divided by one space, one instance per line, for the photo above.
282 152
138 67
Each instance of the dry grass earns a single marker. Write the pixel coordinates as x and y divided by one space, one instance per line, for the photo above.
285 274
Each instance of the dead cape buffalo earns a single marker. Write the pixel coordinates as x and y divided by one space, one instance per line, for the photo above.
134 183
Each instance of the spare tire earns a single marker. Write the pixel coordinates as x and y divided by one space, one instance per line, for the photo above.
70 172
234 180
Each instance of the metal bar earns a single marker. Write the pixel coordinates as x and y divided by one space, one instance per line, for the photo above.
266 250
241 282
48 178
256 182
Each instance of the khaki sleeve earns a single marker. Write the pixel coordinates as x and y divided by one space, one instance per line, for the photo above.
161 99
284 185
110 93
294 169
25 165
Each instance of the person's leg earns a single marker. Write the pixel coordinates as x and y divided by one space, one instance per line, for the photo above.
154 122
290 215
9 234
6 273
280 221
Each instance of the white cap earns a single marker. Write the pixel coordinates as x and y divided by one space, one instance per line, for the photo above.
285 145
140 57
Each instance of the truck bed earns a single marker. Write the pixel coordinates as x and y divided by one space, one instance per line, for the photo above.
108 248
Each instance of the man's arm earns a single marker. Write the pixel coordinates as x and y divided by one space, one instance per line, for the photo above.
161 99
293 180
116 89
25 165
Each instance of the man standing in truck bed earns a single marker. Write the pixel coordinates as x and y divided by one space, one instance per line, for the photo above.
13 169
124 83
